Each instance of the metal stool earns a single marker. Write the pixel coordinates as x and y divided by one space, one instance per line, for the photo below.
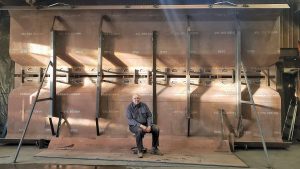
135 149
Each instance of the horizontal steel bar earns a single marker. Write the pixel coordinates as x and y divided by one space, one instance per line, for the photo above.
44 99
209 76
145 7
60 81
247 102
60 70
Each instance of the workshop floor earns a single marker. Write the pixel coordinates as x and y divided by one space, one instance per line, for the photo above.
281 159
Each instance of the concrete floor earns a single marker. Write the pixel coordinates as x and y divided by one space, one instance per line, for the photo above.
281 159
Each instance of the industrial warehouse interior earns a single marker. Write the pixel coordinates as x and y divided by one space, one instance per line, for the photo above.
215 81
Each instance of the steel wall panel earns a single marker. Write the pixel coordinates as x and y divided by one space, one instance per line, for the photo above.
128 46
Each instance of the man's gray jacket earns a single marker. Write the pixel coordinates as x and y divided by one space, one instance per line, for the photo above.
138 114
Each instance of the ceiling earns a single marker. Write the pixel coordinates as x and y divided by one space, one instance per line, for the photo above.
140 4
129 2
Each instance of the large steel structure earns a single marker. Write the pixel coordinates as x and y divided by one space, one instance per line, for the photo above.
184 62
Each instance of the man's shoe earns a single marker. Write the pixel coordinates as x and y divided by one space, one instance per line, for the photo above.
140 154
156 151
135 150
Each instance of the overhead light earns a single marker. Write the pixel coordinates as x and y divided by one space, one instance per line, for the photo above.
31 2
58 4
225 3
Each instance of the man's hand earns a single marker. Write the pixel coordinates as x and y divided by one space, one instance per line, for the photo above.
148 129
143 127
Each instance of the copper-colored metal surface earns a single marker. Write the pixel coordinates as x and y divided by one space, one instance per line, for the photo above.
128 49
212 44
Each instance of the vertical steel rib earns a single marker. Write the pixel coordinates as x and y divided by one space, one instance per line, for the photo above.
154 56
99 80
188 66
53 74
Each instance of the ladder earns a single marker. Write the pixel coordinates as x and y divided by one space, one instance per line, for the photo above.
290 119
32 109
252 103
291 115
52 97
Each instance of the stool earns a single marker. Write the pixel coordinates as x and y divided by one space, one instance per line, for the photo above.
135 149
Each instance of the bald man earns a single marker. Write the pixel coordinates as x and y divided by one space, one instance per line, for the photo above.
140 122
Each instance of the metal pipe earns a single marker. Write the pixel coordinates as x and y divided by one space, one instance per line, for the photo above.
53 74
281 18
292 23
297 83
99 80
298 30
30 115
238 75
288 29
154 56
257 118
51 126
147 7
59 124
99 72
221 111
188 65
97 126
268 77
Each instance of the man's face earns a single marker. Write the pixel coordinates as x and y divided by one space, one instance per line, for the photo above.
136 99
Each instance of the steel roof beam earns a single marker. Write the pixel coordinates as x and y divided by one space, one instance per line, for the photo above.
148 7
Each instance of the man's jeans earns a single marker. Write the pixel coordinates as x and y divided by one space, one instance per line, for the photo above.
139 135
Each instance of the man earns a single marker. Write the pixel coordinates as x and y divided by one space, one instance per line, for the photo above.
140 122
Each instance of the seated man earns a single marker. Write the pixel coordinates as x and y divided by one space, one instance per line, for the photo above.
140 122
